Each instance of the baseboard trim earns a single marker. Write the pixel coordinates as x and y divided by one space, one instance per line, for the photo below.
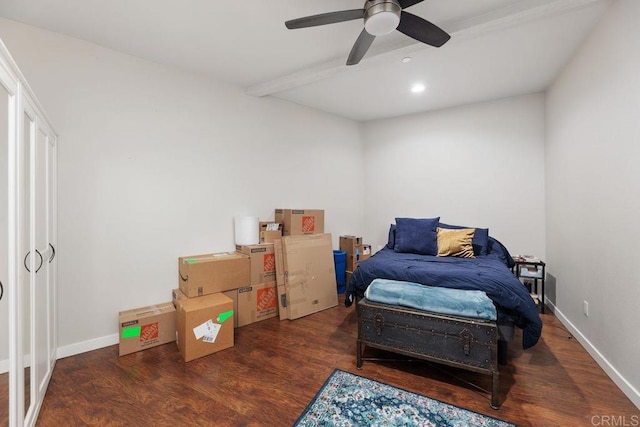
71 350
84 346
629 390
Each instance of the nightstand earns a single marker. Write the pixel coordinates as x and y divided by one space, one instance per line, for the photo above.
533 269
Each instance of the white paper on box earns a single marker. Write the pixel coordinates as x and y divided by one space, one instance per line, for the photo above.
211 336
207 328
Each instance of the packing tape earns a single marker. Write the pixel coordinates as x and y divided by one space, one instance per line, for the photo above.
224 316
131 332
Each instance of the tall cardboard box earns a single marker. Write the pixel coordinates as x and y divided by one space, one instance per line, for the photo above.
353 261
204 325
267 235
263 262
282 293
351 244
200 275
309 274
257 302
146 327
300 221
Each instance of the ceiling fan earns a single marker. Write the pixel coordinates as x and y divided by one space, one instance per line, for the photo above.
380 17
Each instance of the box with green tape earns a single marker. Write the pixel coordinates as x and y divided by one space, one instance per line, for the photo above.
204 325
200 275
146 327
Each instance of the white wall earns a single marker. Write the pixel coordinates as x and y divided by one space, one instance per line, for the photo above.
479 165
154 163
593 193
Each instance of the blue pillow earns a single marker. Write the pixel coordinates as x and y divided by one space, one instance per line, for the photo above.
391 242
417 236
480 240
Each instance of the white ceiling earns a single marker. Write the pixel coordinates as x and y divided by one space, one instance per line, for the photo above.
498 48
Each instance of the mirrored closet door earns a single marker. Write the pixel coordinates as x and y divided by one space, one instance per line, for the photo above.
28 253
7 107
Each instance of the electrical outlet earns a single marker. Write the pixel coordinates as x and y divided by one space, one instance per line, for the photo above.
585 308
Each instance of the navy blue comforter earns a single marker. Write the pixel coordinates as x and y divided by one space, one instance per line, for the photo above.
486 273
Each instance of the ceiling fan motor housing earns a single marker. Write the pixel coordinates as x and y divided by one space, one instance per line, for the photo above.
381 16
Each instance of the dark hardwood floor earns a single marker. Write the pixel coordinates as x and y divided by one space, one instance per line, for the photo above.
276 367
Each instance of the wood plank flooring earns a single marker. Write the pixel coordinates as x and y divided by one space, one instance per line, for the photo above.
276 367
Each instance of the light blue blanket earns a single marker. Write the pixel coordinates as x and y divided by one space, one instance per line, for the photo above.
455 302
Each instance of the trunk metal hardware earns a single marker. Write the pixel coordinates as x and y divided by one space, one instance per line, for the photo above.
466 338
378 320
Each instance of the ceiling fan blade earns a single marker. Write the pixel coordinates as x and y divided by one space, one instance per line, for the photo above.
408 3
325 18
360 47
422 30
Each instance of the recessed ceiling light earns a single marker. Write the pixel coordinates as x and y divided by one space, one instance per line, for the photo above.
418 88
406 60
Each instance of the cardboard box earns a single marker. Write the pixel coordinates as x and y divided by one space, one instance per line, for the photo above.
146 327
349 273
233 294
351 244
177 295
353 261
282 293
268 236
210 273
366 252
204 325
257 302
263 262
309 275
300 221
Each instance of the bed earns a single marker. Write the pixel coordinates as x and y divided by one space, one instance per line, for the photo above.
407 257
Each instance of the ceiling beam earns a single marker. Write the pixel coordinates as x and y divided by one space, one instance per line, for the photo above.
514 14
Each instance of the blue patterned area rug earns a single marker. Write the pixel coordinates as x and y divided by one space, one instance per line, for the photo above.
351 400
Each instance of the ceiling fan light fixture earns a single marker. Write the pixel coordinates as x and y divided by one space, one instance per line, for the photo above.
382 17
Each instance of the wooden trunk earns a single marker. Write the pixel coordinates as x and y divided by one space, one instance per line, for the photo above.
465 343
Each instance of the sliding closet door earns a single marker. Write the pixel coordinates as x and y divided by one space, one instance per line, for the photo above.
27 249
43 292
37 242
7 137
31 262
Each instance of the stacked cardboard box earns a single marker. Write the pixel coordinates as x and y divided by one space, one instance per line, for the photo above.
206 301
204 325
206 274
300 221
234 288
356 251
217 292
270 231
258 301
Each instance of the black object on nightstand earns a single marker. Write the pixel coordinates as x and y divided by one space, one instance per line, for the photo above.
521 270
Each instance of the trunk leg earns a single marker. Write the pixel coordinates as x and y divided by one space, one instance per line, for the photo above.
495 390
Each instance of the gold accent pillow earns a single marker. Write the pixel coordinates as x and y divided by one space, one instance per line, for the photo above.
455 242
